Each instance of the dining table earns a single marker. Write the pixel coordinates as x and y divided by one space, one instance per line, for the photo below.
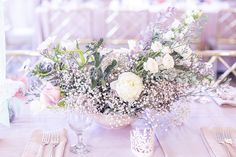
180 141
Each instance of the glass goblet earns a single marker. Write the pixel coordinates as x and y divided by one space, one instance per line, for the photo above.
79 122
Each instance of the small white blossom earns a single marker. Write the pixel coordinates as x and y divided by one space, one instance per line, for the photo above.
187 53
169 35
175 24
166 50
131 44
168 61
189 20
184 50
69 45
151 65
156 46
46 44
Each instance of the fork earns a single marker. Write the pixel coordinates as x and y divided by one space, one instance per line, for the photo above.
229 142
45 141
221 140
54 141
228 137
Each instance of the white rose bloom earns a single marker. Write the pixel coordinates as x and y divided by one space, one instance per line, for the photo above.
156 46
168 61
128 86
151 65
175 24
169 35
46 44
69 45
166 50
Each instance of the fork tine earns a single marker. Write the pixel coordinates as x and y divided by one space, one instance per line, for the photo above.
58 136
48 137
53 137
229 133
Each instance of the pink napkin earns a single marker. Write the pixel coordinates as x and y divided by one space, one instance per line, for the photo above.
32 147
214 148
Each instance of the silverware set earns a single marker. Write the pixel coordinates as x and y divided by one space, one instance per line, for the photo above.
224 137
51 139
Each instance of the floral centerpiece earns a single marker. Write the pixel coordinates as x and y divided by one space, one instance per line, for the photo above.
118 85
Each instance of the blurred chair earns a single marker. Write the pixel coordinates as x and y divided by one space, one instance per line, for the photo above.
225 38
226 31
218 56
19 21
75 23
124 25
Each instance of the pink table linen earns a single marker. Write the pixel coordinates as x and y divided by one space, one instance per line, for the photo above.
183 141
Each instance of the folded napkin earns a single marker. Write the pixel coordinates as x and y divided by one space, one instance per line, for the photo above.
226 97
214 148
33 146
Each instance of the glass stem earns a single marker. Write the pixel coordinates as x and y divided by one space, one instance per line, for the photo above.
80 139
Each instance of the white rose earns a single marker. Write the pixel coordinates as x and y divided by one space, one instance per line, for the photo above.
168 61
151 65
156 46
175 24
166 50
69 45
169 35
128 86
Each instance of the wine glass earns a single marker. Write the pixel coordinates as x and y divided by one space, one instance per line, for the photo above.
79 121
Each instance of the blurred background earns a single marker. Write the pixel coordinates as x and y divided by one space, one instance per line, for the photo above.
30 22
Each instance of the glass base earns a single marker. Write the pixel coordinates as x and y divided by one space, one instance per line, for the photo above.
80 149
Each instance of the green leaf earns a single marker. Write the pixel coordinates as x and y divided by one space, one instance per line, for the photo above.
61 104
81 56
109 68
94 82
77 45
97 59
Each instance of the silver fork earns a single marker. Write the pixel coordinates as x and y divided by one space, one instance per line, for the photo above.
229 142
45 141
54 141
221 140
228 137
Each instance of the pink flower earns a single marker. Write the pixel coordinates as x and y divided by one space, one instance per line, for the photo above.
50 95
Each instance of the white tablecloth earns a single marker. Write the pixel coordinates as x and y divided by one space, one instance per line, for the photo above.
184 141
